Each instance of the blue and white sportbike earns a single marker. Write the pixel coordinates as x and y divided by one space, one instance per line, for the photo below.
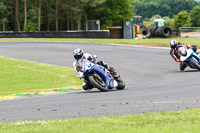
99 77
189 57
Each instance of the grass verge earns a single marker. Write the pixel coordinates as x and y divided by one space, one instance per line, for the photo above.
164 122
24 76
162 42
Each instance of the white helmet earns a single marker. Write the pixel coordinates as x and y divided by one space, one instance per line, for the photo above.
173 44
78 53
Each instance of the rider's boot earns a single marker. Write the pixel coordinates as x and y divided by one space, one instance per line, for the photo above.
111 69
182 66
86 85
114 73
194 48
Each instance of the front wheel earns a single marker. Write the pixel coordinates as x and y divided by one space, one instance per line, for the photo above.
121 84
98 82
195 64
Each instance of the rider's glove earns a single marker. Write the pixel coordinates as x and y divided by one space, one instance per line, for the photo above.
177 60
94 58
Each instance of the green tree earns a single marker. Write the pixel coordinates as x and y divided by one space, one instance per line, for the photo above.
83 5
32 23
58 15
169 22
149 8
32 15
182 19
25 14
17 21
39 14
4 12
115 11
195 16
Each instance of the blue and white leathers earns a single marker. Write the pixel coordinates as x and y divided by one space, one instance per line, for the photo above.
89 67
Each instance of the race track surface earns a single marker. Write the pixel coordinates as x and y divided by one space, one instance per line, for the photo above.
153 83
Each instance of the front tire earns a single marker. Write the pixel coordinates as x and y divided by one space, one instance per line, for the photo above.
98 82
195 64
121 84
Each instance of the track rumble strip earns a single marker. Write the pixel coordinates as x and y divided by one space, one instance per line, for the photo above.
40 93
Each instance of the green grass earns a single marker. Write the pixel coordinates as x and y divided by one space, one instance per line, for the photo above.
164 42
187 121
24 76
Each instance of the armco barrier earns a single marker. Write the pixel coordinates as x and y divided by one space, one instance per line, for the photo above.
61 34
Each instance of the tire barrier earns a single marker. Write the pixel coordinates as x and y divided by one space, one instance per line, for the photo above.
150 32
144 31
162 32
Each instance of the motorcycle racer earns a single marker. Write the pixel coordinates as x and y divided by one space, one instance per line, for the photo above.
79 56
174 52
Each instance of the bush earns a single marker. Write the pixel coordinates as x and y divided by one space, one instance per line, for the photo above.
195 16
32 23
182 19
30 26
169 23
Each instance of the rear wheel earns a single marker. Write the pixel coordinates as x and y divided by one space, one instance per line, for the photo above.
98 82
195 64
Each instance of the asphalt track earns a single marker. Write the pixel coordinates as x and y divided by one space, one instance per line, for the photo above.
153 83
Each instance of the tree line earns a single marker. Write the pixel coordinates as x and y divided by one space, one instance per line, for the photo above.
61 15
64 15
164 8
182 19
185 19
177 13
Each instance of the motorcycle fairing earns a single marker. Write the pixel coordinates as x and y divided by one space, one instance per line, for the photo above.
190 55
105 73
91 66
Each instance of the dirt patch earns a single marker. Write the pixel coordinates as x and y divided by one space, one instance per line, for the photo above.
190 34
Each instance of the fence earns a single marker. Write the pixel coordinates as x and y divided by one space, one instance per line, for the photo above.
190 32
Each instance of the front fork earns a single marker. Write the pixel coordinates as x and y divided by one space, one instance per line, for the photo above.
194 58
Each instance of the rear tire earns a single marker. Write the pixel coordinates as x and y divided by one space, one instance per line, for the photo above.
95 83
195 64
